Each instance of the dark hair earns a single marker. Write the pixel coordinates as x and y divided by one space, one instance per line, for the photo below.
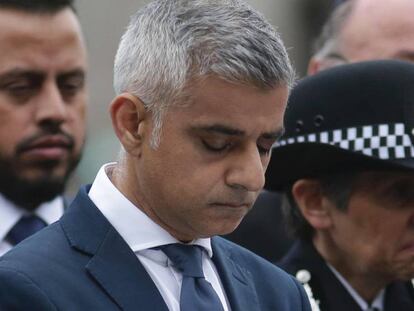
38 6
337 187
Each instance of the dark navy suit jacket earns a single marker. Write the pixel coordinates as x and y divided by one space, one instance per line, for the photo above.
81 263
330 292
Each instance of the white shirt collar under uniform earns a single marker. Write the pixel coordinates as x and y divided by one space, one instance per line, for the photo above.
378 302
10 214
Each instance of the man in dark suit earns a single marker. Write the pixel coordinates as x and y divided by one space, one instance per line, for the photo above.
361 30
42 111
202 88
346 167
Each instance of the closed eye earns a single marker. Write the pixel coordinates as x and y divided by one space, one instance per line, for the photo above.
216 145
71 83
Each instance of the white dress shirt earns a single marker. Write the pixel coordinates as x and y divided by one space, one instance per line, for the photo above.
10 214
378 302
142 235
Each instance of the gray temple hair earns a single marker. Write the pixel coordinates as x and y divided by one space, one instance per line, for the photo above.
328 41
170 43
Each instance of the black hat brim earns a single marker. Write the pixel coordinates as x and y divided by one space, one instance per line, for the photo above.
309 160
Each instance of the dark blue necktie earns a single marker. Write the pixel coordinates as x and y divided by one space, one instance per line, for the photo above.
196 292
25 227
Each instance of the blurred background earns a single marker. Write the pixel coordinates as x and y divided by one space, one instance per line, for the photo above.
104 21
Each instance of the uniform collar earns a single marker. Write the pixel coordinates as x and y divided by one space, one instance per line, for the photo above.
378 301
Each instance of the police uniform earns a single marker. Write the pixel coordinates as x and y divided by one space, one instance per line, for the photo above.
327 292
356 117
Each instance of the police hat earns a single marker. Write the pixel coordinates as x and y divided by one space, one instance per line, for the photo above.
352 117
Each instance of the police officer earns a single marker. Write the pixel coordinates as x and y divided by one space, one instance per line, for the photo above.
346 167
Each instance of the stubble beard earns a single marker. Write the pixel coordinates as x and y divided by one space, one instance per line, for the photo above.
30 193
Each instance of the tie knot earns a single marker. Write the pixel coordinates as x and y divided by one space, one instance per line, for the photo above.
25 227
186 258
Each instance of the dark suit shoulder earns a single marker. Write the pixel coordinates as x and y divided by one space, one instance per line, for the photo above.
269 280
44 271
23 269
46 251
19 292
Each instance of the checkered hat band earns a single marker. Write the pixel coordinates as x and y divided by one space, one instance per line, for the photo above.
384 141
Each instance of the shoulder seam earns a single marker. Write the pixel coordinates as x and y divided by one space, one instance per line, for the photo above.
28 279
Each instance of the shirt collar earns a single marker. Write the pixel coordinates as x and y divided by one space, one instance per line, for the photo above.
378 302
10 213
138 230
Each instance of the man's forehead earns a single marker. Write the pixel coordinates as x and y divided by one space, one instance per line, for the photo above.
29 50
376 20
22 29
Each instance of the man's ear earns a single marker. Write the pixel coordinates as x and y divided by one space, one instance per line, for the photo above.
313 66
128 116
313 204
319 64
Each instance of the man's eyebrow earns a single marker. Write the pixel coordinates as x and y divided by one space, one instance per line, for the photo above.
405 54
219 129
17 73
229 131
75 73
336 55
21 73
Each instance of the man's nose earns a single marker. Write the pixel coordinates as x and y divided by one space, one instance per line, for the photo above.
51 107
247 170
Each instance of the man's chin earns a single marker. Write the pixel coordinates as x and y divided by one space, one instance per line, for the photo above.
29 194
30 184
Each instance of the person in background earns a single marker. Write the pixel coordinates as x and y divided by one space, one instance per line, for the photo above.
201 87
346 168
360 30
357 30
42 112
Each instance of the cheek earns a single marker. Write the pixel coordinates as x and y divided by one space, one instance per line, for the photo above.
379 241
185 179
77 112
14 126
77 123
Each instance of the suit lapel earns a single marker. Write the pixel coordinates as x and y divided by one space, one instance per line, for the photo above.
236 280
113 265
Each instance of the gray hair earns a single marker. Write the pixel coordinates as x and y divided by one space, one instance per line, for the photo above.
170 43
327 43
